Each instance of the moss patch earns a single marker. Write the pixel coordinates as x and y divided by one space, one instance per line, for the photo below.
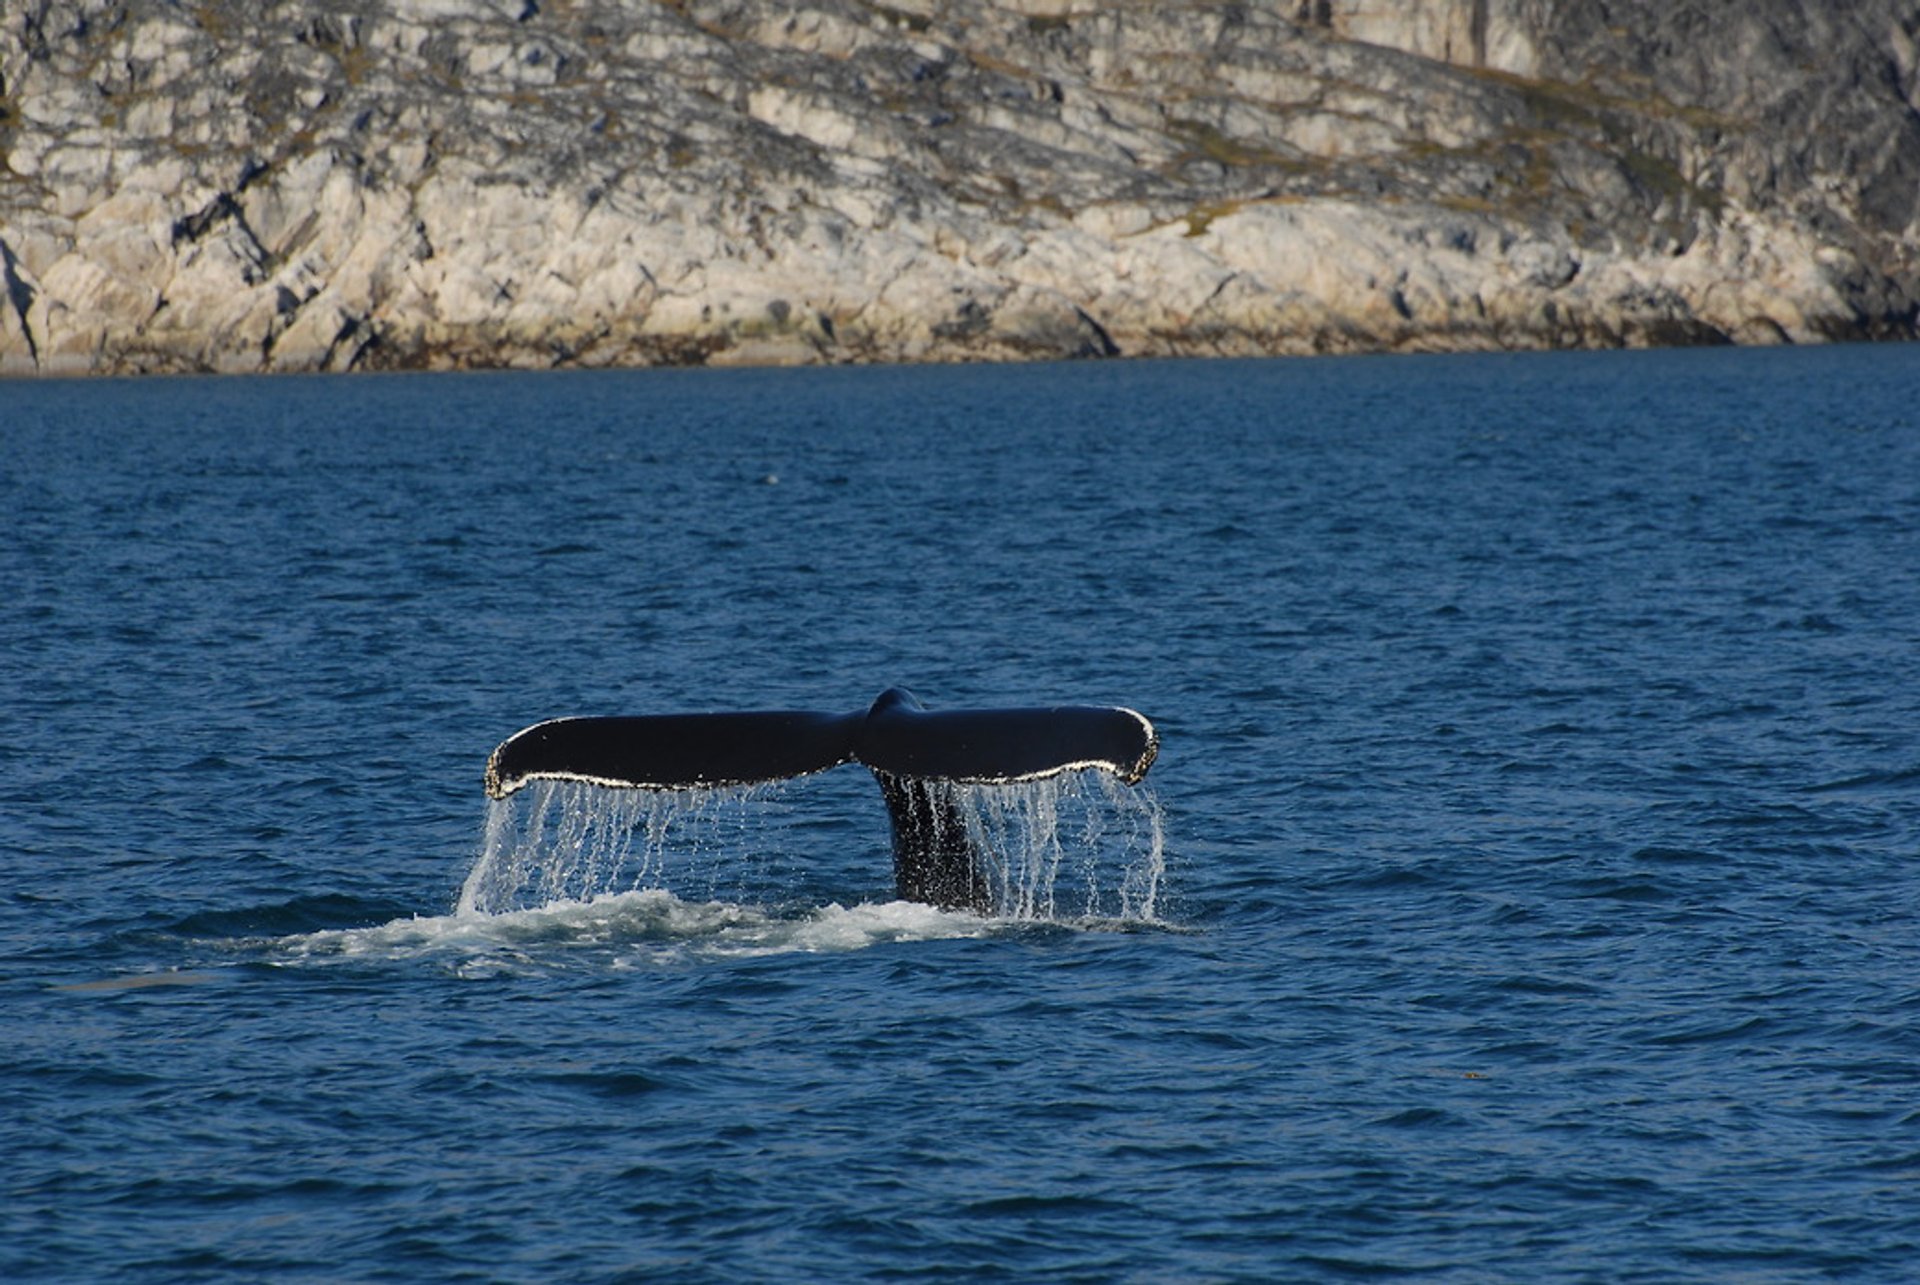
1200 218
1208 141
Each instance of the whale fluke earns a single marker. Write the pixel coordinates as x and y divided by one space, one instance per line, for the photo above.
673 751
915 755
997 745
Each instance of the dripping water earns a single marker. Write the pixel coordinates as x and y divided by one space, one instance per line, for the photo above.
569 841
1077 846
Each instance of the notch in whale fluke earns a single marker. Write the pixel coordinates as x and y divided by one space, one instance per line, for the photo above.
895 738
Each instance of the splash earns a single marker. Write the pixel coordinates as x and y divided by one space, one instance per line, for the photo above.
571 842
1079 845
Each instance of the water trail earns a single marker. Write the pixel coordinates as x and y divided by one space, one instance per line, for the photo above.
1081 845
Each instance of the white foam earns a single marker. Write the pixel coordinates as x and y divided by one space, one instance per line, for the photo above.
833 928
627 929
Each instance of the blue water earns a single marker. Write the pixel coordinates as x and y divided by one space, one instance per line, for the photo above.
1539 803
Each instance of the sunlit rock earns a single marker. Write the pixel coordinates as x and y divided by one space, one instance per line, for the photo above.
337 184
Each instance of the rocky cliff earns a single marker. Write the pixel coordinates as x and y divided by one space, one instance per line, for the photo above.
326 184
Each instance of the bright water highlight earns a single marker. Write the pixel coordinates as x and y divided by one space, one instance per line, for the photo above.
1537 893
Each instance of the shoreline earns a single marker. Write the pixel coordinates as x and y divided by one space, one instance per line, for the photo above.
373 372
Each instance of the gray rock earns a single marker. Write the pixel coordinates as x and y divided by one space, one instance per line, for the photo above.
336 184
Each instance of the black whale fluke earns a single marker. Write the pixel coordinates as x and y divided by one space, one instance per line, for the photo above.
673 751
913 753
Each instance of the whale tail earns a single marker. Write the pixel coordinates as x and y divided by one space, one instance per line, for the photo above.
915 755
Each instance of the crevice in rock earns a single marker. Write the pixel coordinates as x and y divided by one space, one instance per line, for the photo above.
20 295
1103 345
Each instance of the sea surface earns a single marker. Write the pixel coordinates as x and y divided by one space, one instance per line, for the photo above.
1528 886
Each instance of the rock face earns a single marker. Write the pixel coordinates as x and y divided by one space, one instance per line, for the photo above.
326 184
